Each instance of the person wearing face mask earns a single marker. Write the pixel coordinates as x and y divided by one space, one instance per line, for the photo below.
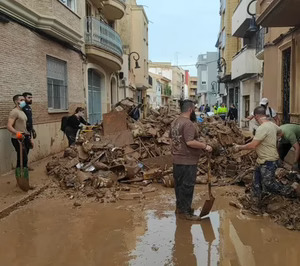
186 152
74 123
17 123
265 145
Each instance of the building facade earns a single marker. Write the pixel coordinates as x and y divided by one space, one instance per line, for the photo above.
280 51
104 51
159 93
228 46
67 54
246 67
207 87
175 74
193 84
133 29
41 53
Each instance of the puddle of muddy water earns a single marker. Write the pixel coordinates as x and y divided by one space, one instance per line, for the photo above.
171 241
53 232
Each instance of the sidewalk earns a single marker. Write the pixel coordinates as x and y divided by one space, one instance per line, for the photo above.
11 196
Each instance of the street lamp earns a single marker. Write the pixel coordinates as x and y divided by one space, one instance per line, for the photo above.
136 58
213 84
253 26
221 63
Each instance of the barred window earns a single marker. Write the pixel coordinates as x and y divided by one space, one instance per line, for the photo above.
57 84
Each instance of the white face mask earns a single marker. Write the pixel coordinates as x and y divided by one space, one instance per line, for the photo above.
81 114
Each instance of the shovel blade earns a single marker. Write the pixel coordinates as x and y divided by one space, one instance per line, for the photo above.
23 184
207 207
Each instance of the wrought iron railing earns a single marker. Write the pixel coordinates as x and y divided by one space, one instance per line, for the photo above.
102 35
260 40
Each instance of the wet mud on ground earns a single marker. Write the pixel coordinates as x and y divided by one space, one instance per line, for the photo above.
50 230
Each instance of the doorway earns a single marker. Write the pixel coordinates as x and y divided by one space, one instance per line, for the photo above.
94 97
286 77
113 92
247 106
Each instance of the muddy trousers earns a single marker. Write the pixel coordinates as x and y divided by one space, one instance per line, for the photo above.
184 181
26 147
264 182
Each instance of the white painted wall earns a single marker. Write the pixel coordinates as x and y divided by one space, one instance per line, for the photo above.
245 63
50 140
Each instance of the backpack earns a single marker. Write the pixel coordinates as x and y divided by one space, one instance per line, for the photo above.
63 124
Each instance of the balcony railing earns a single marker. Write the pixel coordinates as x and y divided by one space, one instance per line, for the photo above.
102 35
260 40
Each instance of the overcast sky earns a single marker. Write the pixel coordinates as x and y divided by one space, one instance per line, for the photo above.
181 30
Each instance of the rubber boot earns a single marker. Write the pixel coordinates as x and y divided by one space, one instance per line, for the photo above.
18 172
26 172
18 175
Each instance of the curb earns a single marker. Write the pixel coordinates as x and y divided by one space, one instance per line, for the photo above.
8 210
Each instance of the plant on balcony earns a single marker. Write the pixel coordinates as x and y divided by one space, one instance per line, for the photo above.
168 90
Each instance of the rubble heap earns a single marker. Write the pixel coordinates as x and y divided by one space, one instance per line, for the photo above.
100 165
284 211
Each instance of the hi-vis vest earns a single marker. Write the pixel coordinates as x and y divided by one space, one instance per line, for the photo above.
222 110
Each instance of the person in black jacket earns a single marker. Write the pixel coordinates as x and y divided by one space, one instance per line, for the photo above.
233 113
74 123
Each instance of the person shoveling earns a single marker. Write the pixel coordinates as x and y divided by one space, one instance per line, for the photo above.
265 145
186 152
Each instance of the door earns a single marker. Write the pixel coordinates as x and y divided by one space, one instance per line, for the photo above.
286 72
94 100
231 96
247 105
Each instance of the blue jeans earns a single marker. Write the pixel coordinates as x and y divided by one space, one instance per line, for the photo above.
264 181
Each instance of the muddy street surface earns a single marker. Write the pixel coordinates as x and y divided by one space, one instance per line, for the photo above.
50 230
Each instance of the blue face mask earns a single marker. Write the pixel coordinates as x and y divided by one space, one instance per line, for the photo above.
22 104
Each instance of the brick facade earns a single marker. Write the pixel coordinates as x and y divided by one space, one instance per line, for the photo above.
23 67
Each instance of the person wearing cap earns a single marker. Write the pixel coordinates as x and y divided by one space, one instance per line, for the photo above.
290 138
270 113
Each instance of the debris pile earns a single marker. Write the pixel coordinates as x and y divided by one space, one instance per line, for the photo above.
105 160
284 211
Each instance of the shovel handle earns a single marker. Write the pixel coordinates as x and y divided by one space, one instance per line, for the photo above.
209 175
21 157
209 168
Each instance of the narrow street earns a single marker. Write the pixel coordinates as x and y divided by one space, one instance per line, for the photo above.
149 133
50 230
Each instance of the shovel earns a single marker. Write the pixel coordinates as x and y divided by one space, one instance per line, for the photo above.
210 202
22 177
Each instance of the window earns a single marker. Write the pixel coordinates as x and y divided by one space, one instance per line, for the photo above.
70 4
223 38
57 84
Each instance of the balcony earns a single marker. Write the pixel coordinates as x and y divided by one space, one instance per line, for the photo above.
103 44
245 63
278 13
114 9
166 91
260 43
51 17
241 19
